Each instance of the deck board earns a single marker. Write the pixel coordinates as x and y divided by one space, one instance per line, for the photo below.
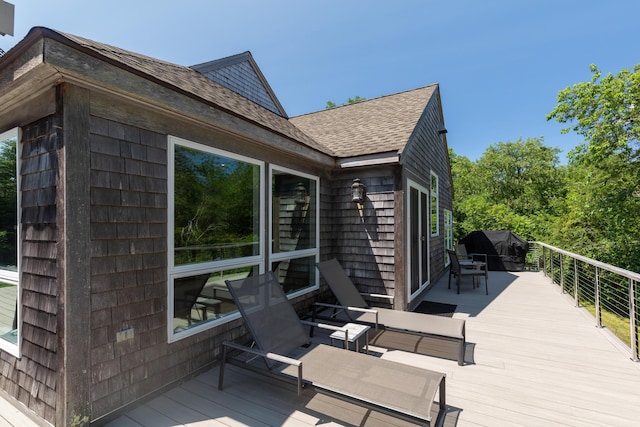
535 360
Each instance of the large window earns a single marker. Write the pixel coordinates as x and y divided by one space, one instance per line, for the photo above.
435 226
215 223
294 229
9 241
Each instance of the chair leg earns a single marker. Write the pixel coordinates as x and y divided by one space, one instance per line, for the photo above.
486 281
458 282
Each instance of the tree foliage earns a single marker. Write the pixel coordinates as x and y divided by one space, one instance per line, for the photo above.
331 104
603 203
514 186
591 206
606 111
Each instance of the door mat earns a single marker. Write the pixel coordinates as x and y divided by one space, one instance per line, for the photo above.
437 308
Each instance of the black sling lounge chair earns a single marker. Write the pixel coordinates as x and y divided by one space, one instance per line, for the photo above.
397 389
433 335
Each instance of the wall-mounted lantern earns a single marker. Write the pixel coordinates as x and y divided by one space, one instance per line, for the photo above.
301 196
358 195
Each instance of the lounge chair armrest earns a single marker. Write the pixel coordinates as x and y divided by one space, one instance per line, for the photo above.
347 308
344 307
271 356
383 296
323 326
342 329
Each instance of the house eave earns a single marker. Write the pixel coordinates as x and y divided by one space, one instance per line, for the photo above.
388 158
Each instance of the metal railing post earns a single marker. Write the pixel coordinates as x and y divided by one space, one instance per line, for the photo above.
633 328
607 301
597 298
576 282
553 279
561 273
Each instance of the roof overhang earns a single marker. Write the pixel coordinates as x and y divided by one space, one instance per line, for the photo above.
388 158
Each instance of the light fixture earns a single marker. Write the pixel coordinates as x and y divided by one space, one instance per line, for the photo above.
300 194
358 195
441 129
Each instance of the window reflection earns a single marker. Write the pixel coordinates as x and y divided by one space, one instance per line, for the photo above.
294 245
217 207
8 313
9 219
204 297
294 212
295 274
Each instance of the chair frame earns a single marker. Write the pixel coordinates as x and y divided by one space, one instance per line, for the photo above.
446 336
263 298
458 270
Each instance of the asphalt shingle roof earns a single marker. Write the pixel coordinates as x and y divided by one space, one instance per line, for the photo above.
195 84
379 125
374 126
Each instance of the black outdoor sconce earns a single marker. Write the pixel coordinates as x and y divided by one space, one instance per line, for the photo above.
359 195
300 194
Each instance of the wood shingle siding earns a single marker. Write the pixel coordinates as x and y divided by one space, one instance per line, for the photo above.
128 261
33 378
96 123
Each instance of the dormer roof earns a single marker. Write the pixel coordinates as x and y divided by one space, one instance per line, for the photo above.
241 74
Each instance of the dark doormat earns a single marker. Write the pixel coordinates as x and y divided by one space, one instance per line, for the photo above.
437 308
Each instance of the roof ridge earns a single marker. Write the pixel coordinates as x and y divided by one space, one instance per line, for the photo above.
367 100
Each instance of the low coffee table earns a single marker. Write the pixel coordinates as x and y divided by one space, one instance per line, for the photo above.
354 333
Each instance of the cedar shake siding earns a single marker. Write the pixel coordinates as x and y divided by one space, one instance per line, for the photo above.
33 378
427 152
98 125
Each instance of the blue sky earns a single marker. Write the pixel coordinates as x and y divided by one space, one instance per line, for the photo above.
500 63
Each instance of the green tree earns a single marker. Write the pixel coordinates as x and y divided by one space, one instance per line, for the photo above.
331 104
606 111
517 186
8 194
524 175
603 203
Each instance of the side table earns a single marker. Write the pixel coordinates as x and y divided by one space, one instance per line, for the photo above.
354 333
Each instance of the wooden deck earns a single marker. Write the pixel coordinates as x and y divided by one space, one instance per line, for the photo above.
533 359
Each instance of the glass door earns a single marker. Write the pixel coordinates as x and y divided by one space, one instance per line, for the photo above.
418 238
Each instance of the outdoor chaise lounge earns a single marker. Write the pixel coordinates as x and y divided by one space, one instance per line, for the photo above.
401 330
281 341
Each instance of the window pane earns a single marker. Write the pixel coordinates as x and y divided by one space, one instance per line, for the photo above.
8 205
295 274
8 318
204 297
434 205
294 212
216 207
8 238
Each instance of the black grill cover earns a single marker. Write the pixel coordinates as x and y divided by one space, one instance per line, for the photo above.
506 251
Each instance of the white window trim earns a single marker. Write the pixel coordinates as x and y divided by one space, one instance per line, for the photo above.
437 198
173 271
301 253
448 225
13 277
426 257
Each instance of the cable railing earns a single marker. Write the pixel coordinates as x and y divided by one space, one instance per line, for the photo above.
609 293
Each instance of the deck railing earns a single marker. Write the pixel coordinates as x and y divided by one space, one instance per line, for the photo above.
609 293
